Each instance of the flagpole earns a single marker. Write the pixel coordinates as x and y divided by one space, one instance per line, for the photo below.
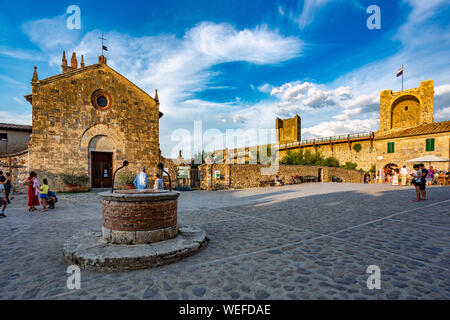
403 72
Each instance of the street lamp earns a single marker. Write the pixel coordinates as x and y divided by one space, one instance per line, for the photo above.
161 167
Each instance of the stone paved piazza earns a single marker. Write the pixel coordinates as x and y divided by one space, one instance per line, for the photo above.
312 241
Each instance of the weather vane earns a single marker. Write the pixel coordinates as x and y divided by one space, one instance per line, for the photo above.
104 48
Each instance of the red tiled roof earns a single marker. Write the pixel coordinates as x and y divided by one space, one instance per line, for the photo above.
12 126
430 128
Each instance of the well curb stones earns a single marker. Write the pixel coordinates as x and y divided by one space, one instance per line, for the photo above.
139 216
91 252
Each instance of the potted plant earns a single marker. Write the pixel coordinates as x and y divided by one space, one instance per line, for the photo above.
126 177
82 182
73 179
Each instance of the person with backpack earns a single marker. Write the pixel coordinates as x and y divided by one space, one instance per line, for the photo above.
416 181
423 181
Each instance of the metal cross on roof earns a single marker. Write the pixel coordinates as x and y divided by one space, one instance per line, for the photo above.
104 48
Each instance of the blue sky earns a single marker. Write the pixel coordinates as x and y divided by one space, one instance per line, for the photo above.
237 64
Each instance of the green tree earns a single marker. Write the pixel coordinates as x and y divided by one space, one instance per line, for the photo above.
308 158
350 166
331 162
357 147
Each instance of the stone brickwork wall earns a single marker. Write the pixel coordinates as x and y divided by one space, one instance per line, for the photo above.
17 165
130 218
172 165
419 103
65 121
407 148
142 216
365 158
250 176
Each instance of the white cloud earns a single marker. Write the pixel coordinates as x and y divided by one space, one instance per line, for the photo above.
280 9
443 90
418 34
265 88
442 102
344 92
181 67
443 114
20 100
178 67
238 119
310 9
51 34
296 97
304 16
13 82
331 128
10 117
21 54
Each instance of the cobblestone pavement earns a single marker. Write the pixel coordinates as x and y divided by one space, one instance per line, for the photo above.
311 241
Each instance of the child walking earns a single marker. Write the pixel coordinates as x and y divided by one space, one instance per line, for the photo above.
44 194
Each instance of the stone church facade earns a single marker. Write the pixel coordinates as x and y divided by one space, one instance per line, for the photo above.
91 118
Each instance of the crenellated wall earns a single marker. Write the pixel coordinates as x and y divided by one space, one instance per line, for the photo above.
407 108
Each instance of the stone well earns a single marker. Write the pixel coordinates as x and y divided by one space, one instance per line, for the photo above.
139 230
139 216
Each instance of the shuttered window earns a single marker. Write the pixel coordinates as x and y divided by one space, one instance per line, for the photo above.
390 147
429 145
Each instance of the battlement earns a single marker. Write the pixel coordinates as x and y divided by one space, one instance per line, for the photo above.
288 130
408 108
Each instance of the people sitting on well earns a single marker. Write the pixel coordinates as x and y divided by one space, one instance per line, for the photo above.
159 183
140 182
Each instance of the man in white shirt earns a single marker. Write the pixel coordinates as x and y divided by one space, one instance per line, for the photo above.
404 174
141 180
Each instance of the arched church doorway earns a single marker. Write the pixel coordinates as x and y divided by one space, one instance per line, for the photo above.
101 152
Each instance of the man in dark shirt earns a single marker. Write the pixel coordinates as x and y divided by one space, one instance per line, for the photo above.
423 181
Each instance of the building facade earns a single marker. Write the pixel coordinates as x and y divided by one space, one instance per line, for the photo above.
14 138
91 118
407 131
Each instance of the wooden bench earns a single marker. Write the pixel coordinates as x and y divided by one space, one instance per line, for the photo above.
310 179
269 183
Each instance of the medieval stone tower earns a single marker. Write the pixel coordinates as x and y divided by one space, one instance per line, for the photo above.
288 130
406 109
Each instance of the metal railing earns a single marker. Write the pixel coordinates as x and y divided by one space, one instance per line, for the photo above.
329 139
